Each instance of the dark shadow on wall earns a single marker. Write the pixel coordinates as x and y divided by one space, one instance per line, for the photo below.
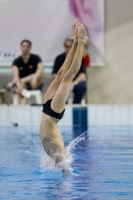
117 13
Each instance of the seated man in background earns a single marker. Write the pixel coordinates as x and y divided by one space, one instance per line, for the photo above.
27 71
79 84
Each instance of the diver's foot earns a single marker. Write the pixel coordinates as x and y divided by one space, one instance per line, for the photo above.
82 35
76 33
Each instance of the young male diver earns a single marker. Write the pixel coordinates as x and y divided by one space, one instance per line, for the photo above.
56 97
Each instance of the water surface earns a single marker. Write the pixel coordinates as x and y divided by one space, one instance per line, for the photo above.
102 167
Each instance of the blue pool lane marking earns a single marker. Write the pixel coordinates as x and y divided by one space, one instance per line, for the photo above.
80 116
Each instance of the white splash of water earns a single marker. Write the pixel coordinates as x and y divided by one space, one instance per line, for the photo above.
77 141
48 164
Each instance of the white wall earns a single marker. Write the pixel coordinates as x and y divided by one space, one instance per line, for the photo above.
113 83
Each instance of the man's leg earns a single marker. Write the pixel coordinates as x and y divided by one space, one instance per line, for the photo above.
59 100
30 80
22 100
66 65
79 92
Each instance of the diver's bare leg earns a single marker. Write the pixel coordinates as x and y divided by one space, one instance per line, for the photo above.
59 100
66 65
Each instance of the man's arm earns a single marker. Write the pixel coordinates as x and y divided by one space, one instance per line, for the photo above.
39 70
38 75
56 67
16 78
80 78
16 74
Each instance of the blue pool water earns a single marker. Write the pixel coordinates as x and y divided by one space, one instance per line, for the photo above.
102 167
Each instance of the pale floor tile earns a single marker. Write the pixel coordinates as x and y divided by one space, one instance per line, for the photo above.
108 115
20 114
131 115
4 117
92 115
36 114
116 115
124 114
